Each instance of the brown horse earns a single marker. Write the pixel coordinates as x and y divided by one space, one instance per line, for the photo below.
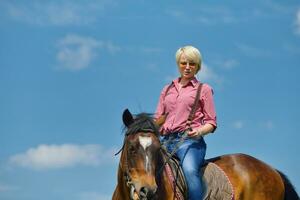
140 175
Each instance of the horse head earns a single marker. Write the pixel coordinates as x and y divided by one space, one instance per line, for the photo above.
140 155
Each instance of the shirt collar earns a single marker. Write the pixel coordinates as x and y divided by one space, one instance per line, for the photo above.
194 81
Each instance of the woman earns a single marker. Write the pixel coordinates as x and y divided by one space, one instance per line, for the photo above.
176 102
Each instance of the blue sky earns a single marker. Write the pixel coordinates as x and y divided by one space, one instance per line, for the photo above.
68 69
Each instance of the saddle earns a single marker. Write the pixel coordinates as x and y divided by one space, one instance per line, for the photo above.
216 183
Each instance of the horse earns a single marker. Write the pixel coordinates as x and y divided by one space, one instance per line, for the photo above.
140 176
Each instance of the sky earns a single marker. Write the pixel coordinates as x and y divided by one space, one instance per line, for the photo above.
68 69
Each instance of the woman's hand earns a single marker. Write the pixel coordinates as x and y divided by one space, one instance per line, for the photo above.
199 132
194 133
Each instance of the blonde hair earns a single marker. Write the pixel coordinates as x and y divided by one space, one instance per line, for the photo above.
191 53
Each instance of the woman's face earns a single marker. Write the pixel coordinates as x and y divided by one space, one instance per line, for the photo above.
187 69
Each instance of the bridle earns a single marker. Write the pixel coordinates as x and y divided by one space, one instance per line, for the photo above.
125 169
128 181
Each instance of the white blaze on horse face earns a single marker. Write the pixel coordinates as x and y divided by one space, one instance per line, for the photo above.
147 164
146 142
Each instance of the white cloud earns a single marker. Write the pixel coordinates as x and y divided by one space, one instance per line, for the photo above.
239 124
252 51
58 12
230 64
226 64
297 23
112 48
216 15
77 52
169 78
278 8
152 67
292 48
208 15
150 50
61 156
93 196
7 188
207 74
175 13
269 125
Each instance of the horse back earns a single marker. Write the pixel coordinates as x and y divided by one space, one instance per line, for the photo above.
250 177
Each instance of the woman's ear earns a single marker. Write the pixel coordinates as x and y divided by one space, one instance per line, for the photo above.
127 118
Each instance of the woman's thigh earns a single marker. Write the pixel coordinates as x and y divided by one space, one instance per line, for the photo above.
191 154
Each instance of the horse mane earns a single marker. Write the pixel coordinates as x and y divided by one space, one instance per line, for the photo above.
143 122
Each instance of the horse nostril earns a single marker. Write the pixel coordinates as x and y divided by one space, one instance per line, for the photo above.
147 193
143 192
153 191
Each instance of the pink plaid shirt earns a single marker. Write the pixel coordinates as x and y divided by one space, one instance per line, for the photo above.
178 105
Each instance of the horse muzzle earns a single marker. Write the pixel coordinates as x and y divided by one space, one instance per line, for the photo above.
147 193
144 193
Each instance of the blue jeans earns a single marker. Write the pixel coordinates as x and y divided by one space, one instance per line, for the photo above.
191 154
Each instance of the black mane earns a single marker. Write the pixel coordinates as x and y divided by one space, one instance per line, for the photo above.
143 122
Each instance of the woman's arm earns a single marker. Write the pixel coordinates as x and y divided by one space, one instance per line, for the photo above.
209 119
204 130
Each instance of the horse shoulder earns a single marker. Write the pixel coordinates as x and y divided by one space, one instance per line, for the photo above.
250 177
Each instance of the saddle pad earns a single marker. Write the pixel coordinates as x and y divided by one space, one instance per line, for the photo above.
175 175
179 195
216 183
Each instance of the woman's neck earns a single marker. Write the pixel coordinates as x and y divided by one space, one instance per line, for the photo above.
184 81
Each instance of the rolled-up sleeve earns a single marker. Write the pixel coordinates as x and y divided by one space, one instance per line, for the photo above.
209 111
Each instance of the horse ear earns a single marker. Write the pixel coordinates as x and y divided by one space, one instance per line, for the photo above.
127 118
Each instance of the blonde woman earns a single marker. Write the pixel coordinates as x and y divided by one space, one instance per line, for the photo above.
188 115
